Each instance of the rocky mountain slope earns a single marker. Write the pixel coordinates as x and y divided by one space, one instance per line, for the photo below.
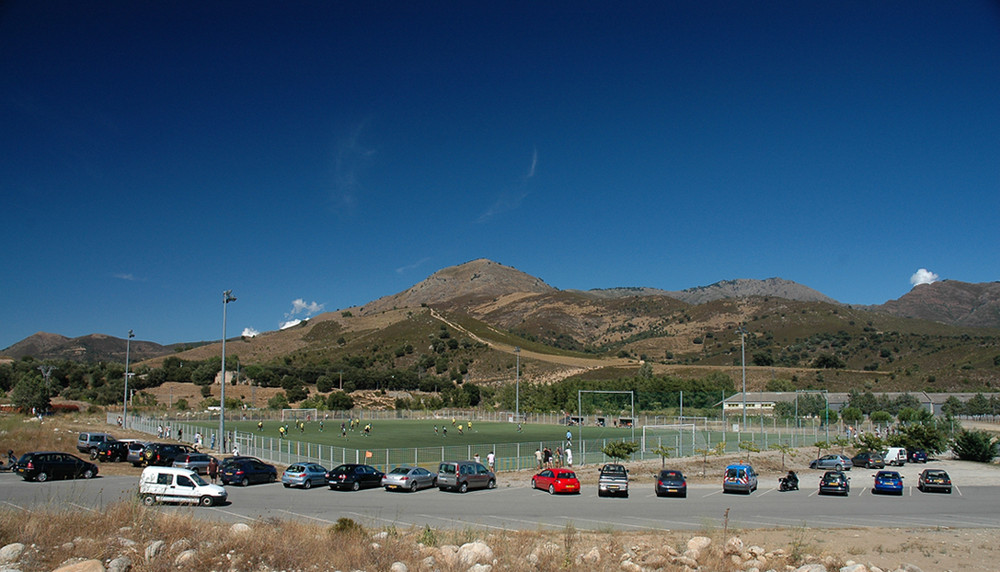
950 302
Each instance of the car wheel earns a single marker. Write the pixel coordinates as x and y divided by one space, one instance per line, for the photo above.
308 484
491 485
148 500
88 474
356 486
840 467
245 482
552 489
463 488
534 485
600 493
42 477
684 495
272 478
207 501
286 485
413 487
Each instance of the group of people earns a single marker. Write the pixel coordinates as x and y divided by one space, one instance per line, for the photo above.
547 459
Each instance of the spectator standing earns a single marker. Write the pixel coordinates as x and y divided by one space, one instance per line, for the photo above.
213 469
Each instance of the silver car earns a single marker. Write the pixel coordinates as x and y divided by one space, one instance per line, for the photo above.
409 479
304 475
135 449
197 462
832 463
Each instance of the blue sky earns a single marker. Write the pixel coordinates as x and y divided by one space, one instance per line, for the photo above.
315 156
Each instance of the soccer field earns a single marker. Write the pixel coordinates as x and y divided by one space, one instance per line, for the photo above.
408 433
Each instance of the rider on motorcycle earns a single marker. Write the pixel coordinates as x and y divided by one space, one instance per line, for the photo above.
792 479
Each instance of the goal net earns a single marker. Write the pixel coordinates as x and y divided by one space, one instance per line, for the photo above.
680 439
298 414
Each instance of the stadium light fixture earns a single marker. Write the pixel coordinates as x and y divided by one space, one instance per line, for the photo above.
227 297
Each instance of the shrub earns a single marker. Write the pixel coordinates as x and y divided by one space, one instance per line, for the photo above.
974 446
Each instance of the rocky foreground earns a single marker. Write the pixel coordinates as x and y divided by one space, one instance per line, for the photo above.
555 551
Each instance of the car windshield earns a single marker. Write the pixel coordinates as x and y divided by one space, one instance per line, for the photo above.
670 475
613 470
197 479
732 473
566 475
296 469
400 471
936 474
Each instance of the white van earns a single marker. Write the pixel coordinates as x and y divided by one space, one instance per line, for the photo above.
895 456
172 484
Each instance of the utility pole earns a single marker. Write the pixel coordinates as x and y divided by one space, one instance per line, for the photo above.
743 352
128 349
227 297
517 385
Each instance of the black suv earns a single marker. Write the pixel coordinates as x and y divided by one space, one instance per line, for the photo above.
110 451
44 465
163 454
246 470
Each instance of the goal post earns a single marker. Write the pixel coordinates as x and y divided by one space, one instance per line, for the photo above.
680 437
298 414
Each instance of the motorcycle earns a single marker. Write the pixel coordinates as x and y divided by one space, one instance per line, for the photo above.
11 462
788 483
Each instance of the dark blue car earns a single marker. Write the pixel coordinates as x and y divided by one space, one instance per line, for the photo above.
888 482
246 470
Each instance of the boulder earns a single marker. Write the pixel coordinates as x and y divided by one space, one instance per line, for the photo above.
186 558
154 549
475 553
11 552
699 543
120 564
480 568
854 567
397 566
734 546
82 566
239 528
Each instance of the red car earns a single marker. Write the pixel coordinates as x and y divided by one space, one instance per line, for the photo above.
556 481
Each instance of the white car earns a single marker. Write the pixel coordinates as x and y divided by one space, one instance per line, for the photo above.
172 484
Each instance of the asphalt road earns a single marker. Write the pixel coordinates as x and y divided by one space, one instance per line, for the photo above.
518 507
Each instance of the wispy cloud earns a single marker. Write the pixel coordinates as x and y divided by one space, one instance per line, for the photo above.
351 160
300 306
923 276
511 199
126 276
414 266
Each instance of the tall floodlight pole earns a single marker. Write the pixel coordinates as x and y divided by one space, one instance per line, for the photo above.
517 385
227 297
128 348
46 373
743 353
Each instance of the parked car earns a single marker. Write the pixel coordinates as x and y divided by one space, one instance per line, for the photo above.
834 483
888 482
197 462
111 451
354 477
934 480
163 454
44 465
246 470
671 483
304 475
613 480
88 442
895 456
173 484
869 460
409 479
832 462
556 481
917 456
135 449
464 475
739 478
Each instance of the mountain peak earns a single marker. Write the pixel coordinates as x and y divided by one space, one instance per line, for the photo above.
477 278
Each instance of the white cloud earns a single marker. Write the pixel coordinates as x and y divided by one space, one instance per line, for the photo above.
289 324
923 276
299 306
409 267
126 276
250 333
